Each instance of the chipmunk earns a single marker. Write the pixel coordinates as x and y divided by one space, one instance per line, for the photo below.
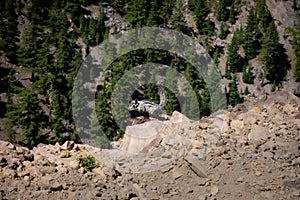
140 111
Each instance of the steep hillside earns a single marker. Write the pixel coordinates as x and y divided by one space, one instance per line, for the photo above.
254 45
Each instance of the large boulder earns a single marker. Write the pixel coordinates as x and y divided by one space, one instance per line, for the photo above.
140 138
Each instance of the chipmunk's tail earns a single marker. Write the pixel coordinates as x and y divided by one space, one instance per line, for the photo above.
162 96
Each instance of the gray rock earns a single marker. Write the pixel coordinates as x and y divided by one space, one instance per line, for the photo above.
214 190
3 161
195 164
55 185
258 133
68 145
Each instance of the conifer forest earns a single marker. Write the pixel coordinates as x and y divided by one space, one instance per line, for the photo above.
44 42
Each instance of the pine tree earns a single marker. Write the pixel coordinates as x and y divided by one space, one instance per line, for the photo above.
222 14
224 31
296 47
101 29
273 56
28 50
8 29
233 97
232 13
205 108
227 73
263 14
247 75
248 42
177 19
246 91
27 112
233 56
201 12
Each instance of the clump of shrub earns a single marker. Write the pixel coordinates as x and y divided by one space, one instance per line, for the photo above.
88 162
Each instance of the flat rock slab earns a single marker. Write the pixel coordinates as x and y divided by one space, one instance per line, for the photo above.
196 166
258 133
138 137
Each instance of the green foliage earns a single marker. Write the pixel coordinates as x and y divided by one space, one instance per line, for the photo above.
249 34
8 29
227 73
273 56
204 24
233 56
246 91
224 31
222 12
247 75
232 13
273 88
233 96
296 47
263 14
88 162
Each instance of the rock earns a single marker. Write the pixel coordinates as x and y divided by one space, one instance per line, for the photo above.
4 146
74 164
256 110
177 173
240 180
137 137
202 197
3 161
81 170
68 145
189 190
55 185
202 182
267 194
258 173
65 154
178 118
99 172
258 133
214 190
9 173
237 125
195 164
61 170
203 125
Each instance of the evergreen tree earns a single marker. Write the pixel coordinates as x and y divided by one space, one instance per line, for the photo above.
177 19
8 29
247 75
222 13
246 91
296 47
28 50
233 56
233 97
216 57
248 42
227 73
232 13
263 14
27 114
201 12
272 54
224 31
205 108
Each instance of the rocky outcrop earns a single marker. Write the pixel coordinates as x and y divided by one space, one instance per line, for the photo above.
248 152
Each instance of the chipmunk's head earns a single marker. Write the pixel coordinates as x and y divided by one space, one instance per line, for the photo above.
133 105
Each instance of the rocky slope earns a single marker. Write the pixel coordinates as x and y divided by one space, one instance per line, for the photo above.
248 152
